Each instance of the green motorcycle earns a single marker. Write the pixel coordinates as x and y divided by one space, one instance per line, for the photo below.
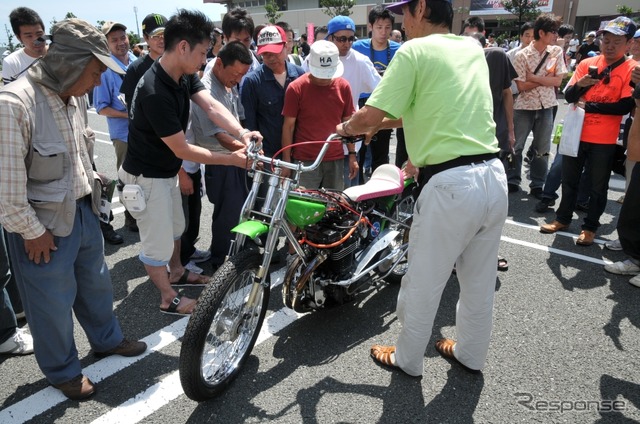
344 242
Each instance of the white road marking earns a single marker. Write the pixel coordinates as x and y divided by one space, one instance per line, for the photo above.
155 397
45 399
160 394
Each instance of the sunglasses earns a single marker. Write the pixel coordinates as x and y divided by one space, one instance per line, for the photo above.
344 39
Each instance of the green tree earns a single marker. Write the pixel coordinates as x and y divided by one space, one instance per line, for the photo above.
273 11
133 38
624 10
525 10
337 7
12 47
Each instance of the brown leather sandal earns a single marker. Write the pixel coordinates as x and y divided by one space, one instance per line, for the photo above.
445 349
384 355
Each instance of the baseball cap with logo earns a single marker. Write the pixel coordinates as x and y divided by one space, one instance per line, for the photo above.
397 7
271 39
620 26
324 60
109 26
153 24
340 23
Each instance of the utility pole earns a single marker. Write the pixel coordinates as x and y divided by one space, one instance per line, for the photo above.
135 11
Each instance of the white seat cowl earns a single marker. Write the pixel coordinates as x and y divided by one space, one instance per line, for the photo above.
386 180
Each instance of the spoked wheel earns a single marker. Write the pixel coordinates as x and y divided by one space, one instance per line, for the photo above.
403 212
223 328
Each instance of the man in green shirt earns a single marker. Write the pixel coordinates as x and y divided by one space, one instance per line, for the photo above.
446 111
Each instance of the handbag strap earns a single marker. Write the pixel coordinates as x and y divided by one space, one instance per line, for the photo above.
544 58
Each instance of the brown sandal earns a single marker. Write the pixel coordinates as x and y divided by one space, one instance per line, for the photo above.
384 355
445 349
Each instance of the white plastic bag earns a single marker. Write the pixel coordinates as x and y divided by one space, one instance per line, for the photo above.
571 131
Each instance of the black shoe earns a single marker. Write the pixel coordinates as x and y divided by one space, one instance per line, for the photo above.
536 192
583 207
110 235
513 188
544 204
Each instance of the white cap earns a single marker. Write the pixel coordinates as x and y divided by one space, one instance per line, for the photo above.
324 60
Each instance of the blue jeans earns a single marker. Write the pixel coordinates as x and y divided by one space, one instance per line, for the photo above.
77 280
8 322
600 160
541 123
554 180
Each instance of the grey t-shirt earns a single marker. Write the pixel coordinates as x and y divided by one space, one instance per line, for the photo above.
204 130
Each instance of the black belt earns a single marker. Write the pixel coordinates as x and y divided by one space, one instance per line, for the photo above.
428 171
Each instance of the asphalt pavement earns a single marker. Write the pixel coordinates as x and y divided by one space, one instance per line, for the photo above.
564 348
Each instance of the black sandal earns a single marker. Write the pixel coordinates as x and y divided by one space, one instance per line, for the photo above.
503 264
172 309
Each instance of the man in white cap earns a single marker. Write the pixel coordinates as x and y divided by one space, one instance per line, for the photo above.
587 47
47 207
313 105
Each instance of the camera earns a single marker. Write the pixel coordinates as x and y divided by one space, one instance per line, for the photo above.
593 72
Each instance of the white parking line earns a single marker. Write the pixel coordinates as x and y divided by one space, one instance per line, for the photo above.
160 394
47 398
155 397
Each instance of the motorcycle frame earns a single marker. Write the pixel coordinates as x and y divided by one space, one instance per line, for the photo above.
274 217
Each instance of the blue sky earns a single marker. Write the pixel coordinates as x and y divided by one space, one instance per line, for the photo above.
107 10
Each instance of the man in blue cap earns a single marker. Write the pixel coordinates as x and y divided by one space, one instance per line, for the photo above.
450 135
358 71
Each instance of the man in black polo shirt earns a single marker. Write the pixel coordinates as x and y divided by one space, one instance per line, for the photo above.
157 145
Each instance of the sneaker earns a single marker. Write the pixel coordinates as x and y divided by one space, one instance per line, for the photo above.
200 256
613 245
77 388
193 268
626 267
544 204
125 348
21 343
635 281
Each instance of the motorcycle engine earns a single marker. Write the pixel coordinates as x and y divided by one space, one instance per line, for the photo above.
333 227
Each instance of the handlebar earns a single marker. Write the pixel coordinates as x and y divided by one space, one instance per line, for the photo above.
253 153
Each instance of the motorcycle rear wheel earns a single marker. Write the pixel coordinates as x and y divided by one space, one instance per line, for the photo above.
403 212
222 329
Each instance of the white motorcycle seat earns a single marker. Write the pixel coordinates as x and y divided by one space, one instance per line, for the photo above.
386 180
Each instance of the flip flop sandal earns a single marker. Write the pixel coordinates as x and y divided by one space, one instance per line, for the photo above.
384 355
184 280
445 349
503 265
172 309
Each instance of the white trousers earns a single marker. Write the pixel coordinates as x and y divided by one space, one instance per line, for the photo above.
458 219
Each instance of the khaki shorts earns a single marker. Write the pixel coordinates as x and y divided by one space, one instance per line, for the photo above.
162 221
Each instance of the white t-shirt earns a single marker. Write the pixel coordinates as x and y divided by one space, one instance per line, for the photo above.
573 45
14 63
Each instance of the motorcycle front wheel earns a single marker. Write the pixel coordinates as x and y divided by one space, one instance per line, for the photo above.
223 328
